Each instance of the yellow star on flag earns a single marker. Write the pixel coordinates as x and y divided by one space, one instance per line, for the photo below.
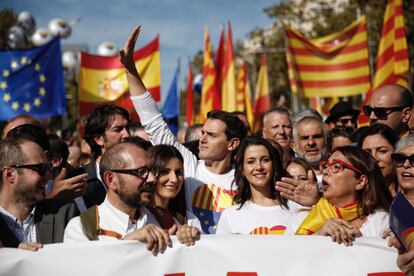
15 105
23 60
37 67
27 107
6 97
6 73
42 91
36 102
14 65
3 85
42 78
206 222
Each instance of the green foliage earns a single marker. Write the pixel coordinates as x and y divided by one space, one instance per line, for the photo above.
7 19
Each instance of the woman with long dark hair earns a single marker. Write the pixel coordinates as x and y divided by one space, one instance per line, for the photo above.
355 199
259 207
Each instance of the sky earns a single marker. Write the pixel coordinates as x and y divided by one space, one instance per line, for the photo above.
180 23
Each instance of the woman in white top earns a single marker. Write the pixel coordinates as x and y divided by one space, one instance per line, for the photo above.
355 198
260 209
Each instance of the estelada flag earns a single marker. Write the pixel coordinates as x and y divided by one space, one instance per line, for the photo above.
392 63
103 79
333 65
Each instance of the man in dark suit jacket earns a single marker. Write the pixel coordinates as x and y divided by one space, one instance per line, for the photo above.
25 216
106 126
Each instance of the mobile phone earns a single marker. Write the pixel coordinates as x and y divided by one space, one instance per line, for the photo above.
75 172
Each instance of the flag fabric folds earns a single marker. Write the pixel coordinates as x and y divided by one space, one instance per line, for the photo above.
334 65
31 82
189 108
228 88
261 99
103 80
171 108
210 97
392 63
243 94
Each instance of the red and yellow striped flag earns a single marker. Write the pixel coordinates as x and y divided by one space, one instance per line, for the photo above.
243 94
103 80
334 65
209 95
261 99
392 59
228 88
189 110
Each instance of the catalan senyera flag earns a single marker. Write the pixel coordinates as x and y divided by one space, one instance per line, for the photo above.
243 93
392 63
228 88
189 108
261 99
334 65
210 97
220 56
103 80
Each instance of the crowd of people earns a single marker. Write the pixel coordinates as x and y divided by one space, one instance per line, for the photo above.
126 180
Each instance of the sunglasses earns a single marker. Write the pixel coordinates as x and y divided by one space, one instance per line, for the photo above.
337 166
40 168
346 121
141 172
381 112
345 130
398 159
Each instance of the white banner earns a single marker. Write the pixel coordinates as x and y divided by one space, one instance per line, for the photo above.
221 255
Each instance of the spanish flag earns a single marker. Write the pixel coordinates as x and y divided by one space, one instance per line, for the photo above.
334 65
210 97
103 80
261 99
392 59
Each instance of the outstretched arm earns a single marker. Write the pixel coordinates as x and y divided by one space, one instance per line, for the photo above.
136 86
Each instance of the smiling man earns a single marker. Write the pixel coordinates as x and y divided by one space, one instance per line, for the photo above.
208 181
26 219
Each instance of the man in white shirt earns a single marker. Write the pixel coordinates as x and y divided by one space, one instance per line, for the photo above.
122 215
208 181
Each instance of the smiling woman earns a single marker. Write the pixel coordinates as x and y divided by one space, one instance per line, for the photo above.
260 209
355 199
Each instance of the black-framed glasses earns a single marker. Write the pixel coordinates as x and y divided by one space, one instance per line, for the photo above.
40 168
141 172
381 112
344 130
345 121
398 159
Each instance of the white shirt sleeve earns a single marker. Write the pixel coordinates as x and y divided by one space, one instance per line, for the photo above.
74 232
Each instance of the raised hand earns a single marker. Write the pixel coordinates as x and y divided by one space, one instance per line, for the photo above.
68 189
126 56
305 193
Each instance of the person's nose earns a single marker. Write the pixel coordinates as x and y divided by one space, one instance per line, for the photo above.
151 178
372 116
173 177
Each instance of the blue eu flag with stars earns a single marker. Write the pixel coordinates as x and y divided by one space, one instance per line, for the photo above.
31 82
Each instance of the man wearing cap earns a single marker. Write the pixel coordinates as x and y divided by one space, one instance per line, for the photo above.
342 114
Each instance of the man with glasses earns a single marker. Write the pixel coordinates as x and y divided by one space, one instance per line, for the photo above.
342 114
390 105
122 215
27 220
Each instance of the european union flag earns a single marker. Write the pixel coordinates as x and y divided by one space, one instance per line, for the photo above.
31 82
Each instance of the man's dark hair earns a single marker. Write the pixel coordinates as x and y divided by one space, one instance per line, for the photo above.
234 126
30 132
189 133
140 142
58 148
97 123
